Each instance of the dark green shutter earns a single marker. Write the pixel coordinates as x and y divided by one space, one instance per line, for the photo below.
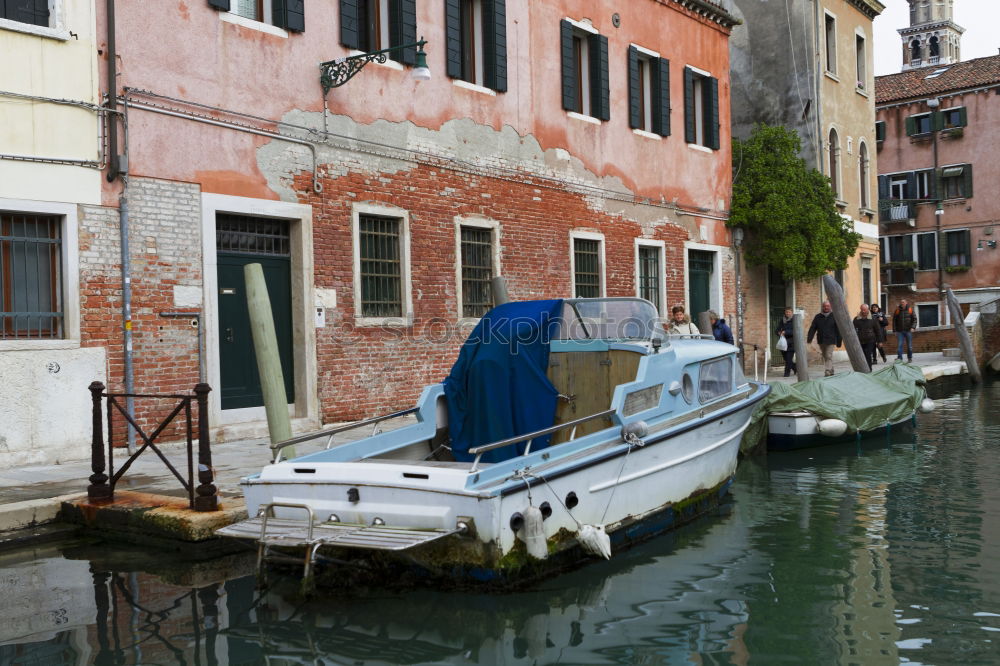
963 117
883 198
403 30
911 126
568 65
690 122
911 185
453 38
967 185
710 86
661 96
350 25
495 44
932 185
635 110
221 5
289 14
600 85
937 121
880 130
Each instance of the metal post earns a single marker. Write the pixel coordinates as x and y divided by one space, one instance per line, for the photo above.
126 257
964 341
208 498
801 352
845 325
98 492
500 295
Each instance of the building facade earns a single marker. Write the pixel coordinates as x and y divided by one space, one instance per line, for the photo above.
811 69
576 148
51 159
937 129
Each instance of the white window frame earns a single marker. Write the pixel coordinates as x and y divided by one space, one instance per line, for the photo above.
57 28
266 25
827 55
478 76
661 247
937 307
69 273
835 164
697 91
479 223
646 81
715 292
583 29
406 270
861 56
864 175
587 235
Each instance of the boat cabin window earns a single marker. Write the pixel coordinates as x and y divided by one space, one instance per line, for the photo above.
715 379
609 318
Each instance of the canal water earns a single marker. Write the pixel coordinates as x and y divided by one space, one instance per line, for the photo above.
880 553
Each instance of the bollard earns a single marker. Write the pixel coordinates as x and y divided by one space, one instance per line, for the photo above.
499 286
964 341
98 492
801 352
208 498
704 323
845 324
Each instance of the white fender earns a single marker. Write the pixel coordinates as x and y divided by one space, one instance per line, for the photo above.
595 540
533 533
831 427
927 405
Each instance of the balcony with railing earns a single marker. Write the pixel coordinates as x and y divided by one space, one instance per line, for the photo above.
899 276
897 211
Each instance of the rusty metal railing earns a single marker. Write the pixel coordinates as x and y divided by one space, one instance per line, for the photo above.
102 486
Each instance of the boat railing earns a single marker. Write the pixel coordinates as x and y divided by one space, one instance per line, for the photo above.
478 451
329 433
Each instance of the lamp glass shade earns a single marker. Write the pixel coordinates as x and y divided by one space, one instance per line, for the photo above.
420 71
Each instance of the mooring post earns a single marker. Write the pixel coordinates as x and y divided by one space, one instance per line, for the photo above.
98 492
964 341
801 352
845 324
499 286
704 323
208 498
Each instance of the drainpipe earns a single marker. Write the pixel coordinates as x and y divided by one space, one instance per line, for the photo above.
933 105
112 94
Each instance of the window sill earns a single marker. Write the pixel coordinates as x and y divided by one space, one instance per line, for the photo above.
830 75
704 149
36 30
474 87
389 62
584 117
37 345
840 203
862 91
386 322
647 135
259 26
867 211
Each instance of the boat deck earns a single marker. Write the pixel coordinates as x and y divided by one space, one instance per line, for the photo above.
292 533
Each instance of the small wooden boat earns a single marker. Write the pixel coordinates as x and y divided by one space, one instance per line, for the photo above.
566 427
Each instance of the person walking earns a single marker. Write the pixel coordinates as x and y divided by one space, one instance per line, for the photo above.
824 329
720 329
680 323
904 322
786 330
880 336
865 327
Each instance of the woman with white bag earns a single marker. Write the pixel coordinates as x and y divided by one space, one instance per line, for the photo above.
786 341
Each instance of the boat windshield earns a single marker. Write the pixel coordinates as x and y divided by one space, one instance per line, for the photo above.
609 318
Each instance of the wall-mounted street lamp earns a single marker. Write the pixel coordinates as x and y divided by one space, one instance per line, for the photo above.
335 73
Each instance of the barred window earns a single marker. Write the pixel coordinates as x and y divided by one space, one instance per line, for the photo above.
477 271
244 234
587 268
381 276
30 276
649 274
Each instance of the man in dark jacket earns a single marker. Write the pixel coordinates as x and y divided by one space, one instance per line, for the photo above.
904 322
866 327
824 328
720 329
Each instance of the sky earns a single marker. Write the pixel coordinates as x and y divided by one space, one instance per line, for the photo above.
980 18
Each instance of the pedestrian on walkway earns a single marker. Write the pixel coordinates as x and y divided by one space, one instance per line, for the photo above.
824 329
865 327
880 336
904 322
680 323
720 329
786 330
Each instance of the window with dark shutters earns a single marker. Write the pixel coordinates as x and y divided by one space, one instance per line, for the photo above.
289 14
495 44
701 109
568 66
600 84
957 246
880 131
661 96
585 77
635 89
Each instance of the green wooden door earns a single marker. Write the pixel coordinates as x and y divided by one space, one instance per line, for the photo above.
700 267
777 295
238 365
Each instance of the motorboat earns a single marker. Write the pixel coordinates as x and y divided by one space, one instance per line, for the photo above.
566 429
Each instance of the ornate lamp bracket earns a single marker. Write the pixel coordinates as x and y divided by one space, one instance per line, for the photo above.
335 73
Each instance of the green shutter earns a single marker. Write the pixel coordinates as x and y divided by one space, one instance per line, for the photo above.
453 38
883 198
350 28
911 126
403 30
635 110
712 113
963 117
221 5
568 65
880 131
289 14
937 121
690 122
661 96
600 84
967 185
495 44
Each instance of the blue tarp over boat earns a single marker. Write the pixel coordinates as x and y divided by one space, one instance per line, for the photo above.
498 387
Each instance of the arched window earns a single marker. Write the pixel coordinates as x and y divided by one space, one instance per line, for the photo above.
835 163
935 48
915 49
863 174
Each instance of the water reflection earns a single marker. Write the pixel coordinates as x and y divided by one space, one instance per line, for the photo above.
878 552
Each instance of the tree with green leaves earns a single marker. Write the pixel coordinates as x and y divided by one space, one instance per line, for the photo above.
788 210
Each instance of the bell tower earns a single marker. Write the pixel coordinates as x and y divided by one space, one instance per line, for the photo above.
932 38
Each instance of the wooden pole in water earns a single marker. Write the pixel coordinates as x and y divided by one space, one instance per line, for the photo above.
845 324
500 295
801 352
964 341
704 323
265 344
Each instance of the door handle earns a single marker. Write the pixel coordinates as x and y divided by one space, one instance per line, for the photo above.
229 335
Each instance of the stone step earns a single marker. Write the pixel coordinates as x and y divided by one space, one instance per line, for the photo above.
951 352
